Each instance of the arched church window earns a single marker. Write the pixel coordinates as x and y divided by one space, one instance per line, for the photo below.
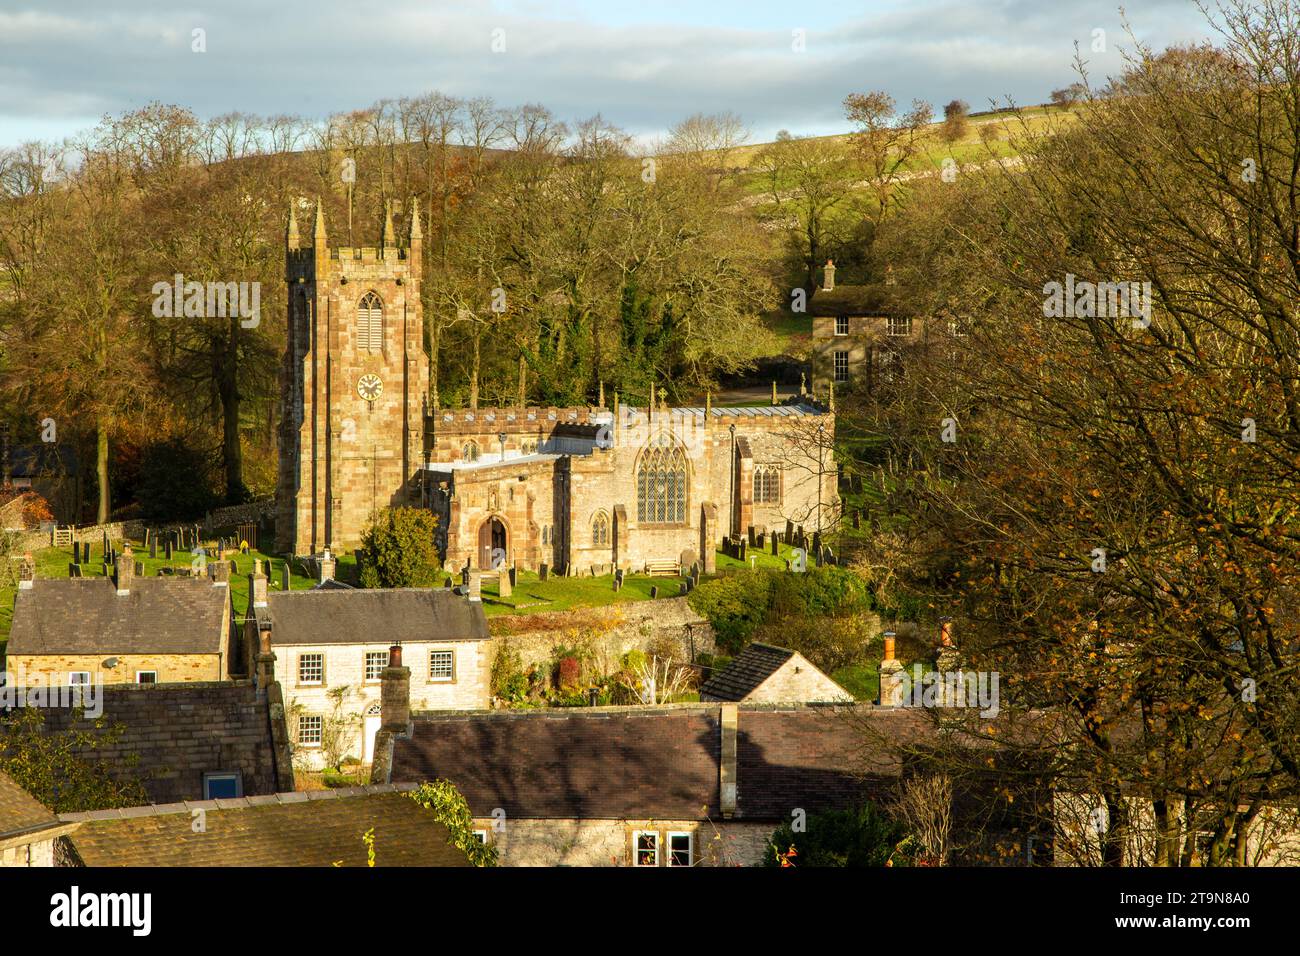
661 483
767 485
370 324
469 451
600 529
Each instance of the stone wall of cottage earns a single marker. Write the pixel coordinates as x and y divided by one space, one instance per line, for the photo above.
610 842
798 681
38 853
170 668
345 667
658 626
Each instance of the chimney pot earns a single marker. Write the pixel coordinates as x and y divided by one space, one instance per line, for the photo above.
945 632
828 284
889 646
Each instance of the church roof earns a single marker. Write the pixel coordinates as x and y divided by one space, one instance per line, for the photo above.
373 616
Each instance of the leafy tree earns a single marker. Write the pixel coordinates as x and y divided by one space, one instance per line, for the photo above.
175 482
52 768
452 811
397 550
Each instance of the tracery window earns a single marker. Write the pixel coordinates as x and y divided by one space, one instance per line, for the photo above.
600 529
661 483
767 484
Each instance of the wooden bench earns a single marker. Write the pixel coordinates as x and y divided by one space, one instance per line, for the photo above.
663 566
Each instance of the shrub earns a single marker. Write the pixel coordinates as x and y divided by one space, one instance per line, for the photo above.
861 837
735 605
175 482
829 642
821 592
397 550
570 673
509 681
452 811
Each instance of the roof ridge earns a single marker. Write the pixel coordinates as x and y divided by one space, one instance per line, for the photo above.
237 803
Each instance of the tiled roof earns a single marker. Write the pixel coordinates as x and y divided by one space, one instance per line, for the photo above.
319 828
171 734
594 764
20 812
755 664
848 300
661 762
379 615
161 615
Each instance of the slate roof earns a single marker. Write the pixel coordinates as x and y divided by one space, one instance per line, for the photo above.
373 615
161 615
20 812
848 300
661 762
755 664
171 734
318 828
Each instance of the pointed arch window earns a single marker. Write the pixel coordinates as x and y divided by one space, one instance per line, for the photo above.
370 324
469 451
767 485
661 483
600 529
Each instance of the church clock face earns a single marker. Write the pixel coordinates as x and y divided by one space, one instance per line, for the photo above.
370 387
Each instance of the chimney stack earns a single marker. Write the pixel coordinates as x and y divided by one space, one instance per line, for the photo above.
256 586
395 693
27 572
124 570
328 564
891 675
219 571
264 663
828 284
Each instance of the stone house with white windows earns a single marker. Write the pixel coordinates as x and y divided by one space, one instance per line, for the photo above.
857 337
763 674
331 646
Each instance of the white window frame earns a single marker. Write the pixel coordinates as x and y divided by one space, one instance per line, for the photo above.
439 679
365 665
139 674
223 775
73 682
841 321
836 372
894 323
314 744
636 849
320 682
481 836
690 847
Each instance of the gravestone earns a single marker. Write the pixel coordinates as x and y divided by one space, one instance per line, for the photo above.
741 550
753 536
654 591
449 582
74 570
857 519
284 575
167 549
139 569
464 575
775 552
153 547
688 559
504 588
789 529
543 572
106 570
618 580
683 588
514 575
817 545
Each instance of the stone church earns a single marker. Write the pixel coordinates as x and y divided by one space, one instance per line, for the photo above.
576 489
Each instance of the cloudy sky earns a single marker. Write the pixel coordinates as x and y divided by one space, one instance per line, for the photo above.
642 65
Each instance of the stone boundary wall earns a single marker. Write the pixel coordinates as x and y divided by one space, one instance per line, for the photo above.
611 631
239 514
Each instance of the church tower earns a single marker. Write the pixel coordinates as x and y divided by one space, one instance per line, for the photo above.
355 378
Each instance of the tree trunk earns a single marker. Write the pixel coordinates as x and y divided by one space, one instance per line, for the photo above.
473 374
228 387
101 470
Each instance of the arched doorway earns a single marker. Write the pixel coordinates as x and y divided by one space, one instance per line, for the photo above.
370 727
491 540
